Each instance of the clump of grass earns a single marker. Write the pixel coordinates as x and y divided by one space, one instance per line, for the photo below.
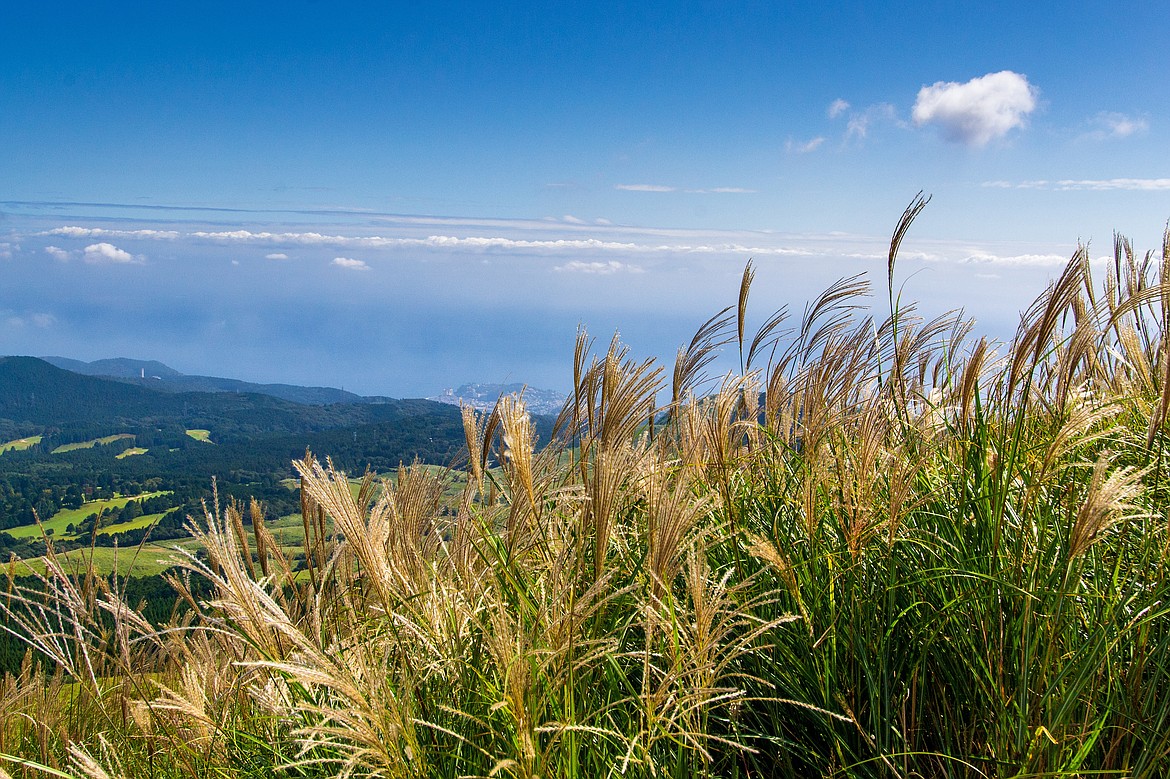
880 548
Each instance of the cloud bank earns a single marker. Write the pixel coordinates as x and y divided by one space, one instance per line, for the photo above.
978 111
1091 185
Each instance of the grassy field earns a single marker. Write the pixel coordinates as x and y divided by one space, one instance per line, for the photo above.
200 435
20 443
151 559
66 517
131 452
881 549
92 443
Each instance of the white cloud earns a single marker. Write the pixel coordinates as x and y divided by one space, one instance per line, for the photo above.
57 253
98 232
43 320
644 188
977 111
1094 185
803 147
1139 185
5 251
1114 126
573 220
598 268
276 256
732 190
350 264
673 242
1029 260
837 107
107 253
859 122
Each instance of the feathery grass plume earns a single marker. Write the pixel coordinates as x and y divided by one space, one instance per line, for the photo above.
236 520
607 495
519 436
627 389
473 427
1108 500
672 512
745 285
767 337
763 549
198 703
692 360
1034 336
975 369
82 761
908 216
264 540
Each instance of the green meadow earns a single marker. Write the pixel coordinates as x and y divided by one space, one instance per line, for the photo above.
134 450
20 443
59 522
92 443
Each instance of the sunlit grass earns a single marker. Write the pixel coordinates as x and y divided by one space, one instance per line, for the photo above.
19 444
878 549
132 451
58 524
63 448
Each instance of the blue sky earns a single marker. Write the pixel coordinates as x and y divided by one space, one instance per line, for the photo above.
401 197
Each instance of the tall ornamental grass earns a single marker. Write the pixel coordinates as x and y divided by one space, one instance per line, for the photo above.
881 548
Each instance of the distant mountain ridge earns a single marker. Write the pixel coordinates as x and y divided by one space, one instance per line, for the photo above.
155 375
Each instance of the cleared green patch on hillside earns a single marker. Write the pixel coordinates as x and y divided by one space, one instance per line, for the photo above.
201 435
149 559
58 523
131 452
92 443
20 443
146 520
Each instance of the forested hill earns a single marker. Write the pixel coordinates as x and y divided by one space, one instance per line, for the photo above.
155 375
32 390
62 433
35 392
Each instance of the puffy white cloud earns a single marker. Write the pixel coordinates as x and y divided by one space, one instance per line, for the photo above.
837 107
598 268
977 111
803 147
644 188
106 253
350 264
276 256
57 253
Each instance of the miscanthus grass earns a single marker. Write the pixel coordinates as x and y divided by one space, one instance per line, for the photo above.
881 548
